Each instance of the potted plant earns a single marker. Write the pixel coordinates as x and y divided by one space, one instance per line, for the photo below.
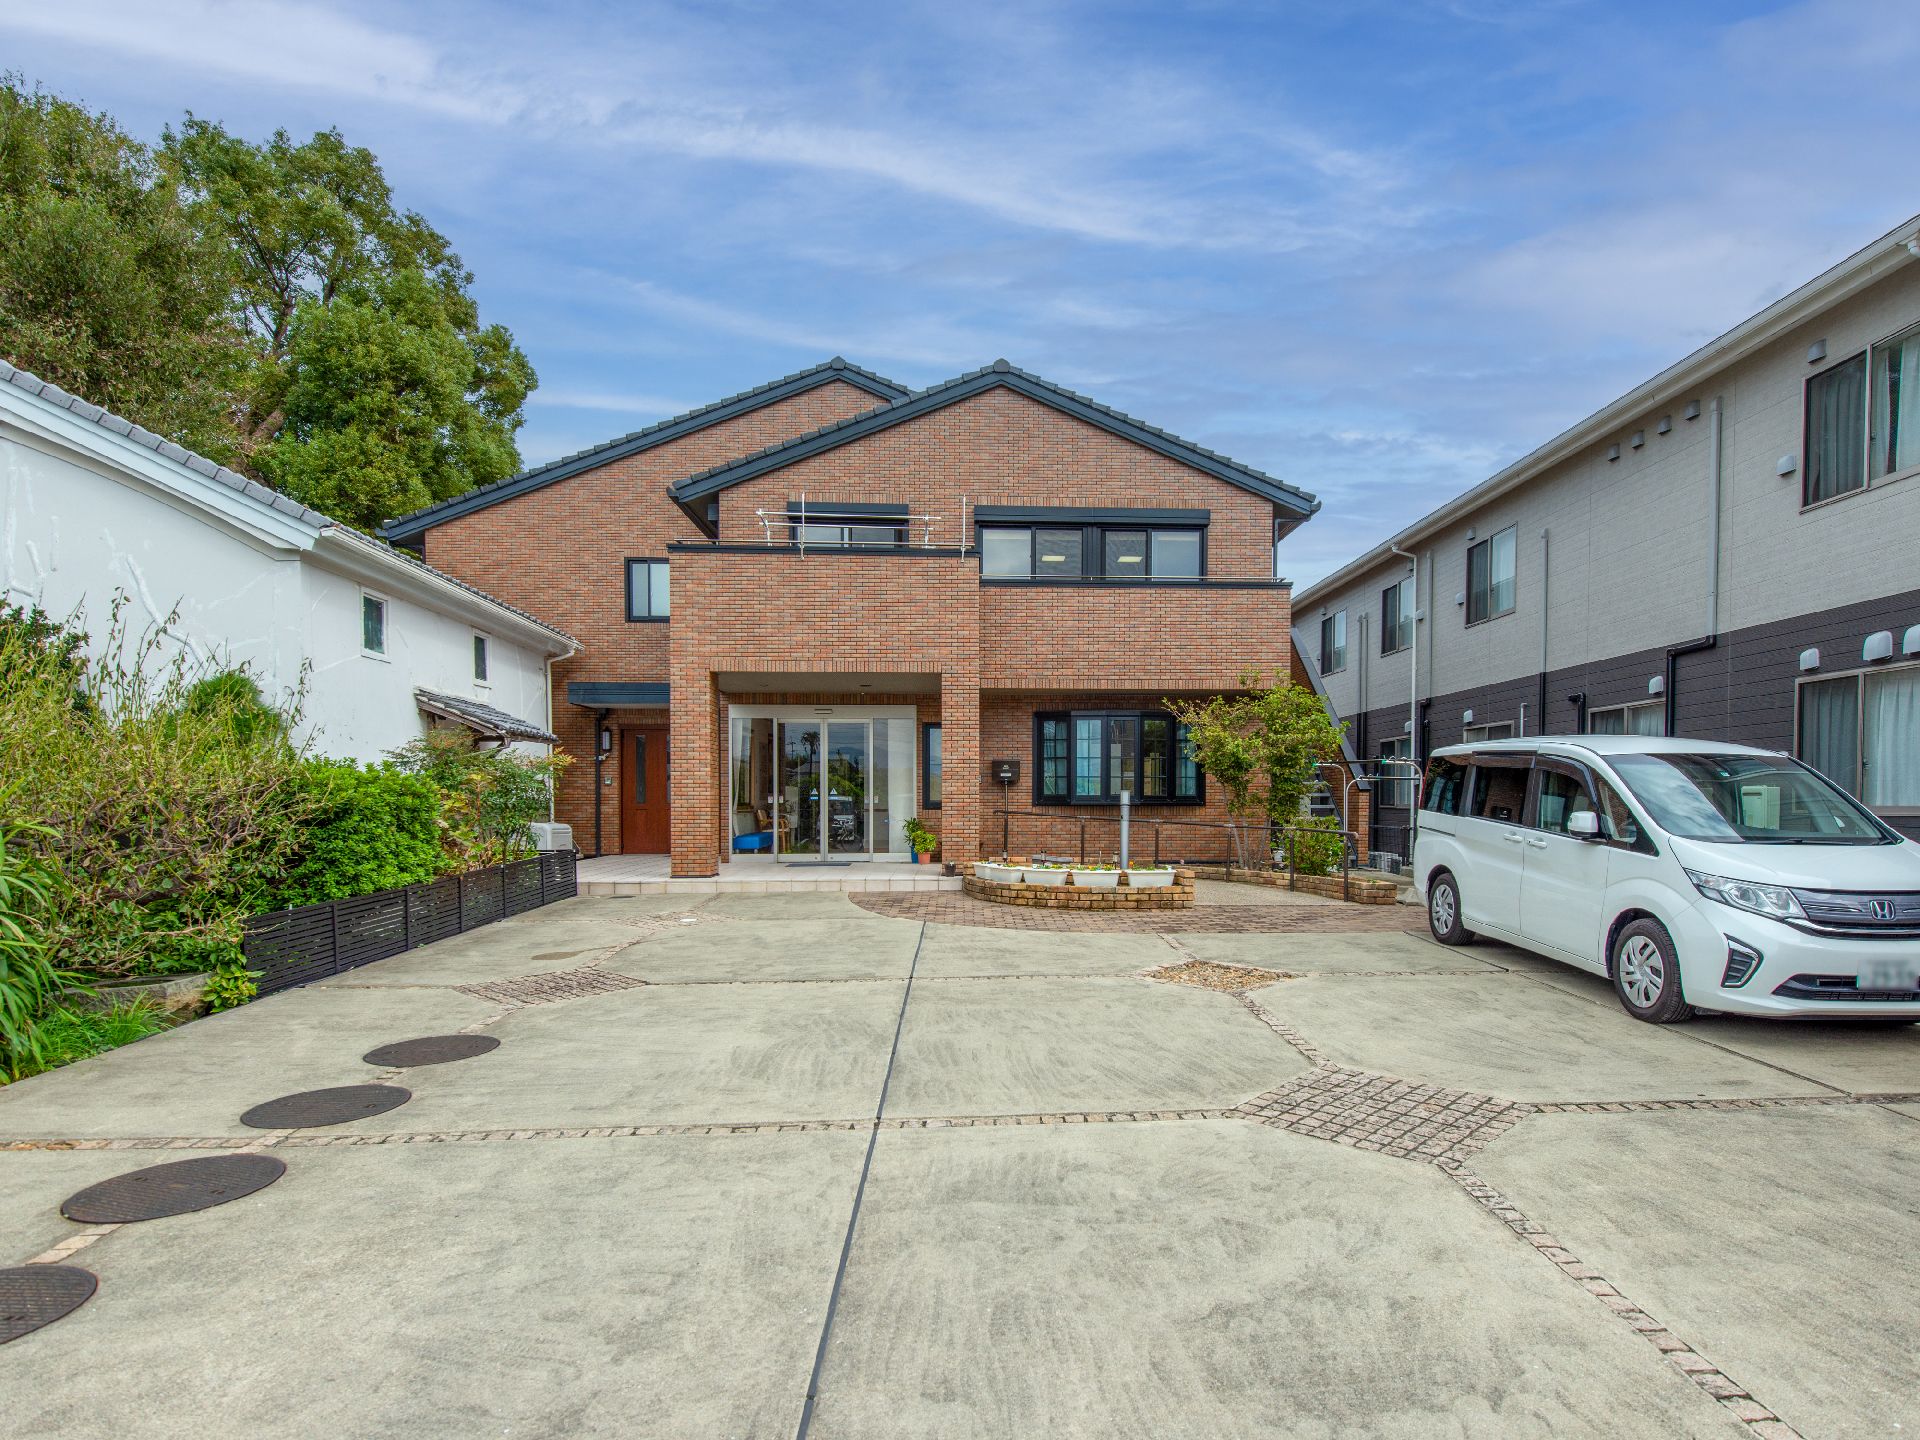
923 841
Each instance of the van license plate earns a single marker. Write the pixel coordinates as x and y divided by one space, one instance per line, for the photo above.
1887 975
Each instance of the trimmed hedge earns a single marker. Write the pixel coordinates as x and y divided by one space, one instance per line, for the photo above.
373 828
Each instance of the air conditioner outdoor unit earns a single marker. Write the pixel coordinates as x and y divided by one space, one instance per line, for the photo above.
548 836
1384 860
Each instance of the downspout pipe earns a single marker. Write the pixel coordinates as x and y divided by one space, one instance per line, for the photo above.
599 761
1413 677
1546 610
1712 636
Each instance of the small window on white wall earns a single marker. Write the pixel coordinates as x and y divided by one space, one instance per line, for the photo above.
373 624
480 659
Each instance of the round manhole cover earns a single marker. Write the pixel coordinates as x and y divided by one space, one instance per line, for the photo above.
326 1107
36 1295
431 1050
176 1189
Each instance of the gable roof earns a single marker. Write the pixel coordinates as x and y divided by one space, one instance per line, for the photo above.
298 524
999 375
411 526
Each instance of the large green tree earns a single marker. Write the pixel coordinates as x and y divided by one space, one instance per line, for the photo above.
374 388
110 287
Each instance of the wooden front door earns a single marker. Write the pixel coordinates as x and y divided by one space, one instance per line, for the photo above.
645 827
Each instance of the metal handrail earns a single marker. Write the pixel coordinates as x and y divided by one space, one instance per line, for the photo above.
1348 849
796 516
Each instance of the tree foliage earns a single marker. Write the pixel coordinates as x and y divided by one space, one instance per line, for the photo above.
110 287
268 305
369 828
490 795
1262 747
375 389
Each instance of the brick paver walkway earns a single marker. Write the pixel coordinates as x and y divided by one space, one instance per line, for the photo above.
1321 918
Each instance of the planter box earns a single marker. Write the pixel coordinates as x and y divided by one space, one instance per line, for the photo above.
1010 874
1018 874
174 994
1150 879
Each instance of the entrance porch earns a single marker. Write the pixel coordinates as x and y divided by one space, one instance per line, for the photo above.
757 875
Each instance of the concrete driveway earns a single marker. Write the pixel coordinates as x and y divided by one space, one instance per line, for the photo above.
1231 1181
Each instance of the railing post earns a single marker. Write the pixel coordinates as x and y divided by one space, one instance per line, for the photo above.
1006 829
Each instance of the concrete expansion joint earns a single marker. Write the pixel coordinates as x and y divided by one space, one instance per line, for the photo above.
1762 1102
1739 1402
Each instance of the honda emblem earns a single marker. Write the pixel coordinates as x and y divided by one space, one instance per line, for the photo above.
1880 909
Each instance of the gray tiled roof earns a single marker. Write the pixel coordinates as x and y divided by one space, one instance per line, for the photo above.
234 480
199 464
656 434
744 467
487 720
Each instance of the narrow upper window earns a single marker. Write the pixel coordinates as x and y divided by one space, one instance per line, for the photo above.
480 659
1396 616
1490 569
647 590
1492 730
1333 643
1894 444
931 769
1836 431
1091 552
373 624
1648 717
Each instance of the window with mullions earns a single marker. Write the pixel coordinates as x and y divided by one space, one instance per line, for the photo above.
1396 616
1863 419
1490 571
1089 757
830 528
1091 552
1333 643
1858 731
647 590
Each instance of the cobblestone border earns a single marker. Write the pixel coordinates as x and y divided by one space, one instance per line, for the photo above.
1735 1399
1765 1102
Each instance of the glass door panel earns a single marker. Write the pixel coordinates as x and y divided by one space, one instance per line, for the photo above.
847 776
797 828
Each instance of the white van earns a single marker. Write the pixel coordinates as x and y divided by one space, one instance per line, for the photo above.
1692 874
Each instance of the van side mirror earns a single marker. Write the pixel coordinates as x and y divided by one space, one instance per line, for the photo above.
1583 825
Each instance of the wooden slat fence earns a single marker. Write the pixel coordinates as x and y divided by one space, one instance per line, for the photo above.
296 947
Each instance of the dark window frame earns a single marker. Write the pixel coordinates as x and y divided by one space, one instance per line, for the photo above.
1107 795
1830 375
627 580
1485 610
482 659
847 517
1328 627
1392 632
1093 550
929 763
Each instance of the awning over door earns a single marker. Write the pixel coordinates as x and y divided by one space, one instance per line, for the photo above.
484 720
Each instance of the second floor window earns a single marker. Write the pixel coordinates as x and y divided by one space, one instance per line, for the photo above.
647 590
835 528
480 659
1490 576
1863 419
1396 616
1333 643
1091 552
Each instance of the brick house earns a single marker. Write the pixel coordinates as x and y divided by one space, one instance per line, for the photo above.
831 578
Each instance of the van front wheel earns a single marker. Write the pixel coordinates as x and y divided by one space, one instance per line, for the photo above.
1443 911
1646 974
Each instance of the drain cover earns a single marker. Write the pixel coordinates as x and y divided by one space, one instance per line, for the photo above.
36 1295
176 1189
431 1050
326 1107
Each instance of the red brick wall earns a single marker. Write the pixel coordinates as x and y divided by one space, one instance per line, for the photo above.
1131 637
560 553
813 615
1002 448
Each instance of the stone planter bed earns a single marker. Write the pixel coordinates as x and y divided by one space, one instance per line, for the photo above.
1363 889
1018 882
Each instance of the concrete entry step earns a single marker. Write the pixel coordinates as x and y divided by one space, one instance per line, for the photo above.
625 875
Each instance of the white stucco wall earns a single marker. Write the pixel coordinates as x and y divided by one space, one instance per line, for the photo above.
76 528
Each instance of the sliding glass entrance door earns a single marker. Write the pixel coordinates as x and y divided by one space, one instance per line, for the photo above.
842 785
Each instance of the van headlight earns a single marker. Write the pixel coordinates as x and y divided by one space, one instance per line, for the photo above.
1774 901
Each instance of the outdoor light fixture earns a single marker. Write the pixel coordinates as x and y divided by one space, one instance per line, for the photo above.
606 739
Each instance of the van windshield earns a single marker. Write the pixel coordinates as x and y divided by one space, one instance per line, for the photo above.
1745 799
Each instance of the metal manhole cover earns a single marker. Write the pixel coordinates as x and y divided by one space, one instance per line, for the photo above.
431 1050
326 1107
176 1189
36 1295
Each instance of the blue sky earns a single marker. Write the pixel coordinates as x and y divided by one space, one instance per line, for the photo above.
1378 249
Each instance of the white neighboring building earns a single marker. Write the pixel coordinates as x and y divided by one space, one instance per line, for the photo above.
95 505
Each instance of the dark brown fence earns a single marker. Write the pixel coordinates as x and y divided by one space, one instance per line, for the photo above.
295 947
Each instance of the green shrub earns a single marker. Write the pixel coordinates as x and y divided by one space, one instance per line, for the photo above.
230 988
67 1034
489 796
29 981
366 829
164 804
1315 845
